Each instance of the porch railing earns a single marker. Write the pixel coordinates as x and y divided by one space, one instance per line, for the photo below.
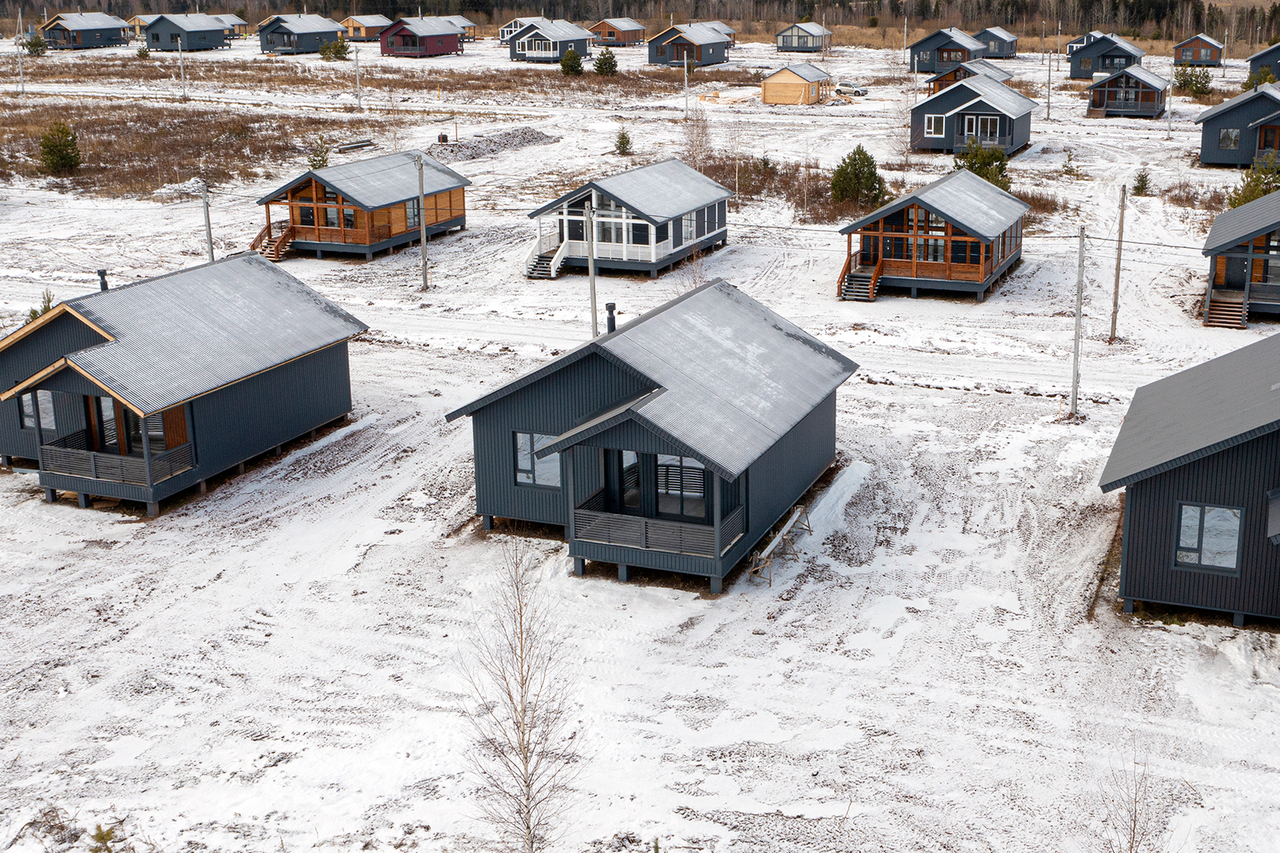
962 140
652 534
1123 106
70 455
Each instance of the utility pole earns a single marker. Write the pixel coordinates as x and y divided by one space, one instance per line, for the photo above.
1075 362
182 70
1043 49
1048 90
422 224
590 223
904 31
1115 297
22 48
686 87
1169 109
208 227
359 107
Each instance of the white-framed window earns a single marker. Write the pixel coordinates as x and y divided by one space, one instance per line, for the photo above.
1208 538
412 213
935 125
1229 139
532 471
1206 53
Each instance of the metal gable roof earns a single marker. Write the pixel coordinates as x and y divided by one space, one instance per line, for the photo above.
368 20
1235 226
429 27
813 29
192 23
1106 42
997 95
1266 90
305 24
1266 51
381 181
623 24
1204 38
805 71
700 34
557 31
657 193
182 335
1137 72
1197 412
232 20
980 67
960 37
459 20
87 21
998 32
720 27
962 198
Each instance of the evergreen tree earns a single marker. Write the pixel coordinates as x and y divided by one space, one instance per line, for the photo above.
59 151
571 64
1142 183
36 45
990 164
606 64
1258 78
856 179
1263 178
622 145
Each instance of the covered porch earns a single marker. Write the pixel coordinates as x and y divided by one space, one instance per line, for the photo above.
1244 279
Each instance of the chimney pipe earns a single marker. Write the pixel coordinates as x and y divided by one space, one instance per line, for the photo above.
611 323
102 279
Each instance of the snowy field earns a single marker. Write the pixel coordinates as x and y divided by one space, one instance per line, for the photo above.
272 666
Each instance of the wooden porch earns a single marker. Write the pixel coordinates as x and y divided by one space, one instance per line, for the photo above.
592 524
71 455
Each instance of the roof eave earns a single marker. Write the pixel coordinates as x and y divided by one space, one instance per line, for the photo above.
1187 458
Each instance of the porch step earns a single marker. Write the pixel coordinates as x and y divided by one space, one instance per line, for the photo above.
541 267
275 248
1227 314
857 287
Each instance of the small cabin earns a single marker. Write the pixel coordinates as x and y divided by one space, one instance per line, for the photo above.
1132 91
796 84
365 27
1268 57
618 32
363 207
646 219
143 391
467 26
959 233
515 25
694 44
1198 50
549 42
421 37
804 38
1080 41
296 34
1240 247
1196 456
972 68
943 50
725 30
185 32
1104 55
999 42
81 30
1238 131
235 26
139 23
675 442
974 110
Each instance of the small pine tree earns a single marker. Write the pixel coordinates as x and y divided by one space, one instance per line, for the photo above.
59 150
1191 81
46 305
622 144
102 840
873 22
36 45
606 64
335 50
571 64
1263 178
858 180
1142 183
990 164
1258 78
318 156
144 52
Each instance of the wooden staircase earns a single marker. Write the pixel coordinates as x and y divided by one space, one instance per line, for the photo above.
274 247
1226 313
541 267
860 286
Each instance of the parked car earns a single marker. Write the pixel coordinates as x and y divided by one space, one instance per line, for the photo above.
850 89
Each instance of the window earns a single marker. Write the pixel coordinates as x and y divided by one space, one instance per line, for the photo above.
412 210
27 406
330 217
682 488
640 233
155 38
1186 53
661 51
935 125
173 38
1206 53
688 226
1208 538
608 231
662 233
531 471
348 218
1086 63
1229 139
931 251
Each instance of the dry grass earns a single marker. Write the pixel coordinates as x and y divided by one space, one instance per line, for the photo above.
803 185
1212 99
1043 205
1186 194
1026 87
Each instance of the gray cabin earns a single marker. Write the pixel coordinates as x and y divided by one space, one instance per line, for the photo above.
1080 41
943 50
549 41
1198 456
646 219
1104 55
293 34
463 23
185 32
804 38
1241 245
145 390
80 30
1133 91
1238 131
1199 50
694 44
1268 57
515 25
976 109
999 43
959 233
680 464
972 68
236 26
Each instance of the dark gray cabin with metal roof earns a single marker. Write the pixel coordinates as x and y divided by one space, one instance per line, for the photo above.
1134 92
647 219
1241 246
696 44
976 109
293 34
998 43
972 68
185 32
1198 456
549 41
1238 131
943 50
1080 41
959 233
804 37
80 30
661 445
1268 57
142 391
1104 54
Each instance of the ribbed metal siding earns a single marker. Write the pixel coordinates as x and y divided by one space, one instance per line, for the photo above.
1240 117
1240 476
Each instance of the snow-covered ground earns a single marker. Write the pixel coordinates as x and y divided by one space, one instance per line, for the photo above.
272 665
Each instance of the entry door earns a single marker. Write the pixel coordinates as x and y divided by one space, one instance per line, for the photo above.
1237 273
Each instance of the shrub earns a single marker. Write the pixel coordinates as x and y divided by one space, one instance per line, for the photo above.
318 156
990 164
873 22
1258 78
335 50
857 180
571 64
46 305
36 45
1142 183
144 52
1263 178
1191 81
606 64
59 150
622 145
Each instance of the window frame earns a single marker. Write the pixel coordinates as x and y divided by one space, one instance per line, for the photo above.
938 132
1203 568
27 410
1232 133
532 472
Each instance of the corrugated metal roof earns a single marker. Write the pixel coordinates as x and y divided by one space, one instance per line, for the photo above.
306 24
962 198
960 37
430 27
994 93
805 71
193 23
1266 51
232 20
1266 90
624 24
978 66
1202 37
459 20
1235 226
558 30
1137 72
720 26
88 21
998 32
1197 412
813 29
381 181
1104 42
146 19
185 334
658 193
369 20
701 34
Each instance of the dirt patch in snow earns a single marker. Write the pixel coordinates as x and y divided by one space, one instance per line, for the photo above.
494 143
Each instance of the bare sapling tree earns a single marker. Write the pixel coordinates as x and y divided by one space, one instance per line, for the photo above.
525 745
1133 821
697 138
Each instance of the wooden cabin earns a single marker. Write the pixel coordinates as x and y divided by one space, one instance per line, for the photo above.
236 26
467 26
365 27
959 233
1132 91
549 42
659 444
964 71
143 391
515 25
1198 50
295 34
646 219
974 109
796 84
185 32
1104 55
139 23
618 32
943 50
422 37
363 207
803 38
1197 457
81 30
999 43
1241 245
696 44
1268 57
1238 131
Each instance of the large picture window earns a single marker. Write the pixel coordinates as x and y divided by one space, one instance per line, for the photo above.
532 471
682 489
1208 538
1229 139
